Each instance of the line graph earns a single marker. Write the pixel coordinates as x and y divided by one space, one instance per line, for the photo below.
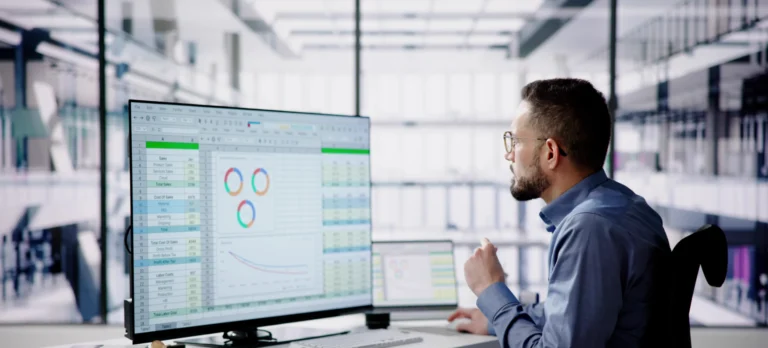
266 268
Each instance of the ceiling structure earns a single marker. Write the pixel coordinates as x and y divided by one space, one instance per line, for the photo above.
567 35
66 30
31 14
293 27
396 24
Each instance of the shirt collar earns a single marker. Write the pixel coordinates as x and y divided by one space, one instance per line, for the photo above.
554 213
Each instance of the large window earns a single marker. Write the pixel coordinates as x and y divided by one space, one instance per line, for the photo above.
441 90
50 258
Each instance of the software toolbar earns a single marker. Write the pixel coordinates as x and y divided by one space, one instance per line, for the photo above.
209 125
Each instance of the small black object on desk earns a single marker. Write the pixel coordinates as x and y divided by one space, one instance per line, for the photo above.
377 320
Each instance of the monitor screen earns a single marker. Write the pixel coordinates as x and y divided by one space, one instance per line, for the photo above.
413 274
242 214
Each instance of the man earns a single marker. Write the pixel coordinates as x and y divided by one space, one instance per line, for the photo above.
607 282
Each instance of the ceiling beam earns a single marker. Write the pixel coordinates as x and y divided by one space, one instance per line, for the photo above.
399 16
400 32
250 17
535 33
551 11
384 47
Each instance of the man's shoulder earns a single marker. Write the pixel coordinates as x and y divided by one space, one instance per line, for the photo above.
615 212
590 220
612 204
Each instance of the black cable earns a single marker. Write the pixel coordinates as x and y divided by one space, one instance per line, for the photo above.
125 240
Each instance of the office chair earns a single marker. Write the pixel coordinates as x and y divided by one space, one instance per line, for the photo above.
706 248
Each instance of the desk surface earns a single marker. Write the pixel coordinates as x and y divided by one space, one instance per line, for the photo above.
350 322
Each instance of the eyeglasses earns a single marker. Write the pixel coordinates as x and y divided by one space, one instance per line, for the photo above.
510 141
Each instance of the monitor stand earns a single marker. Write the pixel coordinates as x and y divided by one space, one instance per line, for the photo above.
259 337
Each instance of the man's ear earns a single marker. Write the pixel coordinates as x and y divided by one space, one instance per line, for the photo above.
553 153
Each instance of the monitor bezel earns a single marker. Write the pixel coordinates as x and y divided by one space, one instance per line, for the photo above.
249 323
420 307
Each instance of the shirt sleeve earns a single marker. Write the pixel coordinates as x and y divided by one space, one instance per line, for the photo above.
584 294
534 310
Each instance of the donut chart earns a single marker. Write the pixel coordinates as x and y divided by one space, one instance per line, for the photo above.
263 190
240 213
226 180
246 202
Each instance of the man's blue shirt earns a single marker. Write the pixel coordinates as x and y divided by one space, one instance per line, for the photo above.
606 259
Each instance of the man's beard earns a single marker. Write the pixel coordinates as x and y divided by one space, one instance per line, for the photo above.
531 187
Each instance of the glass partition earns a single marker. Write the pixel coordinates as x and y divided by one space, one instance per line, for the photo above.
50 257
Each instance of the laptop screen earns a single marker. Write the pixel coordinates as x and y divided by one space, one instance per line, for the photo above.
414 274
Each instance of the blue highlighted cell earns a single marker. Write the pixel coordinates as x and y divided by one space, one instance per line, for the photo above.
346 249
345 222
166 229
165 203
341 203
166 262
173 203
443 269
166 207
172 210
168 203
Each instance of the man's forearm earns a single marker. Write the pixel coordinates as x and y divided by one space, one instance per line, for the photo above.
502 309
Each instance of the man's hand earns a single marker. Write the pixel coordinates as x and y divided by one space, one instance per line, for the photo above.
483 268
477 325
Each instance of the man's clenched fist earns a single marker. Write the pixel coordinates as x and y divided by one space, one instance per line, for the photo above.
483 268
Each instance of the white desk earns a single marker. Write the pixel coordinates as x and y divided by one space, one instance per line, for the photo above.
351 322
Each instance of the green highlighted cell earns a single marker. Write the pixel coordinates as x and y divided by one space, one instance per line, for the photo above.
346 151
172 183
172 145
443 281
168 313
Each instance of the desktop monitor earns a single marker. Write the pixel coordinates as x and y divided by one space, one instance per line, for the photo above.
243 218
414 275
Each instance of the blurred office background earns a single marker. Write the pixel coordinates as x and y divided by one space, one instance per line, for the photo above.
440 80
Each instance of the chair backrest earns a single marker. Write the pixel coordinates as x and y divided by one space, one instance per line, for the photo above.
707 248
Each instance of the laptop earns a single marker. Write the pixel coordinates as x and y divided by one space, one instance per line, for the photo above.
414 280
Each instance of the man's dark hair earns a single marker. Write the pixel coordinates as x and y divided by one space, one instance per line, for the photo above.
573 113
